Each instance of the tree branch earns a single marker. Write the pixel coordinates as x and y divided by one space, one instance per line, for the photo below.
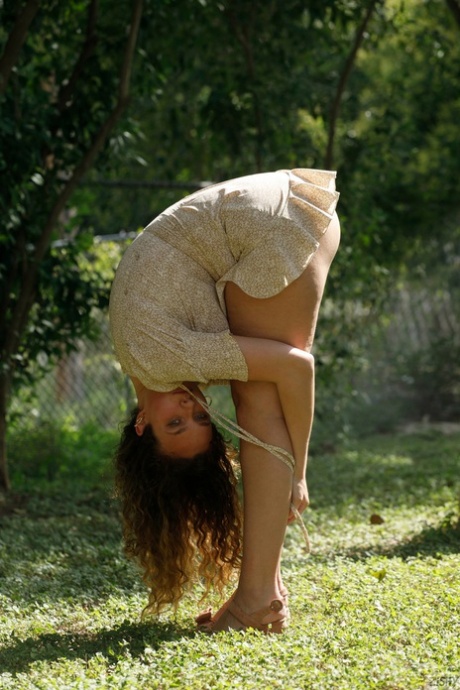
89 45
15 42
22 307
243 33
454 7
347 69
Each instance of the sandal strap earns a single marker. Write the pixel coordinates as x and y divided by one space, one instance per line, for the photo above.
260 620
203 617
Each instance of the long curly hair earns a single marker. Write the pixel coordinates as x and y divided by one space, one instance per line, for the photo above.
181 516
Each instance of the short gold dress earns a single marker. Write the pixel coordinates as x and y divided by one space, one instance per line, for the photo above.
167 308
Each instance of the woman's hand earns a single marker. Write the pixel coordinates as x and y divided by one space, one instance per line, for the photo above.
299 497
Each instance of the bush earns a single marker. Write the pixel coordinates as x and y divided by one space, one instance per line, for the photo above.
53 450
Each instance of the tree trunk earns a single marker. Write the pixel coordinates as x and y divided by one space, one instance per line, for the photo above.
15 41
244 34
4 476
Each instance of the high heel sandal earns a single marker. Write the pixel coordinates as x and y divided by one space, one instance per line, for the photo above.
205 620
270 619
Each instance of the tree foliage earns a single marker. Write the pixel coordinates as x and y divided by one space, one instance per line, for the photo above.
401 142
64 83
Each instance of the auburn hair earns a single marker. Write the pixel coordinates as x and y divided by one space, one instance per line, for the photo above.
181 516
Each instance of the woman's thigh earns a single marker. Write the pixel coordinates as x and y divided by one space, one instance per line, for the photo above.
291 315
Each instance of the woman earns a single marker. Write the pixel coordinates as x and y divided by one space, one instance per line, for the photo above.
223 286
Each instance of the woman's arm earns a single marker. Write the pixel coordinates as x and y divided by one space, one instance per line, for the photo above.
291 370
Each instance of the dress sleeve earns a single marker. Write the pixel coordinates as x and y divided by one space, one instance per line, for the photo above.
162 361
215 357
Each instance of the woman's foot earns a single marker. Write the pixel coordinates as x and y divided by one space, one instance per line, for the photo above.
231 616
206 619
269 619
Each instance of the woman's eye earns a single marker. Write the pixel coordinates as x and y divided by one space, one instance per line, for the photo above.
202 417
174 422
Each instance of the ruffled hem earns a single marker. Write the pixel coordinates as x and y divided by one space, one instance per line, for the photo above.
295 232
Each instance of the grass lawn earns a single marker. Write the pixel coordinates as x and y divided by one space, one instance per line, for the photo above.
374 606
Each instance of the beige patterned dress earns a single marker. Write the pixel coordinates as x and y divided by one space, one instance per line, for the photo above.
167 308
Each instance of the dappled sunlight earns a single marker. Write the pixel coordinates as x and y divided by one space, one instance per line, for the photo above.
397 472
403 532
378 459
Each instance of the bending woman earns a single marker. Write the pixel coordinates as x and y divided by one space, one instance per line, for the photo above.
223 286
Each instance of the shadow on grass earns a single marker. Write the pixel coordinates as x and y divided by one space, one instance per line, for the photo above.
441 540
113 644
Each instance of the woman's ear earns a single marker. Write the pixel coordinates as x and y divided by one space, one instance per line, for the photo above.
139 426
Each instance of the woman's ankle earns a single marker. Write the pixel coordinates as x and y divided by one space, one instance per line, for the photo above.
251 600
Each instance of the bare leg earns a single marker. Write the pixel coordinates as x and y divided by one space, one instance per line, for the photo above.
289 317
267 492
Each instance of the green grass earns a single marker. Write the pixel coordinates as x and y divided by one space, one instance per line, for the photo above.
374 606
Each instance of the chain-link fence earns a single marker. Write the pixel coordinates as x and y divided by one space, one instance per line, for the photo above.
85 386
421 342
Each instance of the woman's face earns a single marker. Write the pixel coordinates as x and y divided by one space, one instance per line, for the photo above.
180 424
